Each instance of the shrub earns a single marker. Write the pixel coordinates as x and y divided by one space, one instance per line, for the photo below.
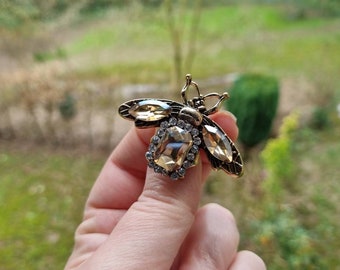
320 119
280 229
45 56
291 245
254 101
67 107
277 159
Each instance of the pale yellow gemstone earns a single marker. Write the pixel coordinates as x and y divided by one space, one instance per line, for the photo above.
150 110
217 143
172 150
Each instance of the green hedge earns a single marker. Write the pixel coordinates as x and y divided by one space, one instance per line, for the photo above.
254 101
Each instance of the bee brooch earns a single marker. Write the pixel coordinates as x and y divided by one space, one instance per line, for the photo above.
182 130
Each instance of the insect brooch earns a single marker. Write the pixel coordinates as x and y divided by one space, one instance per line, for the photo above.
183 130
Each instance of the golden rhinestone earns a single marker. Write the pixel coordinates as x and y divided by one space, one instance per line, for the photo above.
172 150
150 110
217 143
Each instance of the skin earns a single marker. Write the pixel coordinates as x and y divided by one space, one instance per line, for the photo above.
137 219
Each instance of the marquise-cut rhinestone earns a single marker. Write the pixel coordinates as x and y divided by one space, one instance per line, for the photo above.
217 143
173 148
150 110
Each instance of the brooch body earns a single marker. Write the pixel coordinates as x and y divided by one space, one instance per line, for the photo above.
183 128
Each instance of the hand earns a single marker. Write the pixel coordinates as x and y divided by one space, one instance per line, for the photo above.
137 219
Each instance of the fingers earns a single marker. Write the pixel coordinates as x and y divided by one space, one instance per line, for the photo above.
212 242
154 227
247 260
159 212
122 179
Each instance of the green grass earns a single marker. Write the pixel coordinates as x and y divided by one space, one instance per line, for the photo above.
233 38
41 197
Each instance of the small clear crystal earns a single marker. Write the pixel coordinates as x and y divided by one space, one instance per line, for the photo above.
181 123
148 156
195 132
186 164
194 149
181 171
174 176
191 156
188 127
164 124
173 121
197 141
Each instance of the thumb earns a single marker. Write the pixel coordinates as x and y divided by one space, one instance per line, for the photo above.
151 232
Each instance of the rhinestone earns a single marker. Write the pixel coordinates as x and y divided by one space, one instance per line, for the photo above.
191 156
148 156
164 124
160 132
217 143
186 164
181 123
156 139
152 148
151 164
181 171
174 176
197 141
158 169
173 121
150 110
194 149
195 132
173 148
188 127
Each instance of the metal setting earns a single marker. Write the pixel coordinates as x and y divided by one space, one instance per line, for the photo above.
183 128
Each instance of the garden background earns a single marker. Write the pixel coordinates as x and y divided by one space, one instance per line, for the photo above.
65 66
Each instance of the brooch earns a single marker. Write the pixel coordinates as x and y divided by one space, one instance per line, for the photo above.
183 128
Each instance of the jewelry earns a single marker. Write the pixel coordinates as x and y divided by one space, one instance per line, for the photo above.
182 130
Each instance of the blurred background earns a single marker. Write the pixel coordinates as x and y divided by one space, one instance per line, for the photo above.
66 66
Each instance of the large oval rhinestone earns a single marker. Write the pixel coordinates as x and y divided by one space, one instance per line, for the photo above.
217 143
150 110
172 150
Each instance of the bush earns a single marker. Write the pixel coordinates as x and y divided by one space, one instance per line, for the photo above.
254 101
278 160
45 56
320 119
291 245
67 107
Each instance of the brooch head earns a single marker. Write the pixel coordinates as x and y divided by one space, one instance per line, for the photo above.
183 128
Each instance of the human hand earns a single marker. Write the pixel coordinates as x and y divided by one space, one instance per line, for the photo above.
137 219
